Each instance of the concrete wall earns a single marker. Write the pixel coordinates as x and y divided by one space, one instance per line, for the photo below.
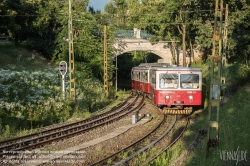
160 49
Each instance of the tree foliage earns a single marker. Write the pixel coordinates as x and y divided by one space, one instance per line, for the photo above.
43 24
190 22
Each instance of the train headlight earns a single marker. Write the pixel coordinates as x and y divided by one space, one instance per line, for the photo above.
167 98
190 98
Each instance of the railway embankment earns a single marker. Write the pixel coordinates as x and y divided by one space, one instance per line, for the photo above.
234 147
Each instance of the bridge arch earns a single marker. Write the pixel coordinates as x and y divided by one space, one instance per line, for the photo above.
137 40
129 45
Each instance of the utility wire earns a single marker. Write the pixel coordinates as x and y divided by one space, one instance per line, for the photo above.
141 23
130 15
22 6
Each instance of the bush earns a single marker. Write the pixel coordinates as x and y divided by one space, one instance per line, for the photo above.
236 75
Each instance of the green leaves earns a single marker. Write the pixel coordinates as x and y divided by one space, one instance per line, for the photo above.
43 24
239 32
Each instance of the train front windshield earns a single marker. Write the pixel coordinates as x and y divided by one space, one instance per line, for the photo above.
189 81
171 81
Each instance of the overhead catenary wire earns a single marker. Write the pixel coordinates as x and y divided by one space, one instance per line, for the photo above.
107 14
128 15
141 23
116 15
74 18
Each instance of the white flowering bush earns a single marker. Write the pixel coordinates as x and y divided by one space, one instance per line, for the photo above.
34 98
30 95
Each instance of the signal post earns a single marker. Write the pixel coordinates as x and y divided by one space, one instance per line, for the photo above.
217 80
63 71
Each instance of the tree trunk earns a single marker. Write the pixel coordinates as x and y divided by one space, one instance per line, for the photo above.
184 44
16 39
191 52
173 53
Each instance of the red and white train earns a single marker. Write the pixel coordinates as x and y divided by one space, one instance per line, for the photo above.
175 89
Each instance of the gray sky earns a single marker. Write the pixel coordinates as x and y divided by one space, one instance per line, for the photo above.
98 4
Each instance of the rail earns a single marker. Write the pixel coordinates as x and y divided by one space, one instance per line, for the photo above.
38 139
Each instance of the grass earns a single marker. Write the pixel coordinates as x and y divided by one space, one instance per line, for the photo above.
21 57
234 133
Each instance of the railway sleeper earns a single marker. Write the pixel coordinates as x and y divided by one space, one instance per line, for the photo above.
173 111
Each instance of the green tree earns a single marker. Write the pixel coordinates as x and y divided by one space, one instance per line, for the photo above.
20 15
3 18
46 27
118 12
239 30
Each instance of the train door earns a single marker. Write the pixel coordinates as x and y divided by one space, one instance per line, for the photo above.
152 80
143 81
147 85
132 79
136 79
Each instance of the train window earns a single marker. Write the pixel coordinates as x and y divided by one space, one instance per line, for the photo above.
189 81
143 76
137 76
153 82
169 80
146 77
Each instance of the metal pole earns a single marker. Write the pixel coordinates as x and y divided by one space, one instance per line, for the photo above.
116 73
63 87
105 61
71 55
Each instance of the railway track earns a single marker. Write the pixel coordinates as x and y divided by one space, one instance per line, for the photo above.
133 147
178 130
152 139
38 140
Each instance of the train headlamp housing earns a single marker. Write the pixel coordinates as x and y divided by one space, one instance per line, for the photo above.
190 98
167 97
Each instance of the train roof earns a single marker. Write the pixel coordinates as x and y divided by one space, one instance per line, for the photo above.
154 64
163 66
147 66
174 68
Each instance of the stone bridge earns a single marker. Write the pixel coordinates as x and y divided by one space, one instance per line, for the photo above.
138 40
